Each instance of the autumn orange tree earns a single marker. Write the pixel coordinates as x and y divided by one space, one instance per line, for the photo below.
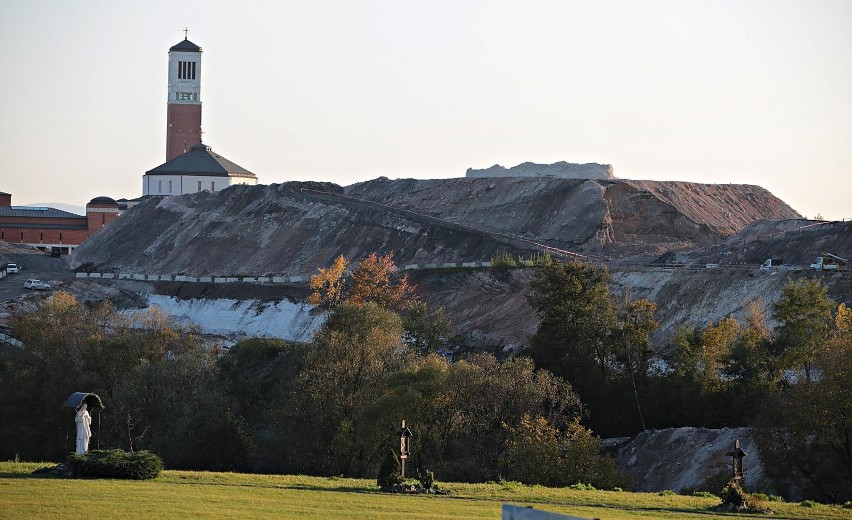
327 286
372 280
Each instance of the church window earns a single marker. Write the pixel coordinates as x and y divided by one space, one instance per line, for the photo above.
212 185
41 236
160 187
22 236
193 70
186 96
170 186
60 237
199 185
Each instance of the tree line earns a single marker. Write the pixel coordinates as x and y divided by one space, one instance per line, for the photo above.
332 406
793 384
329 407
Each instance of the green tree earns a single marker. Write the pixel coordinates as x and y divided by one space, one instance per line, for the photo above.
805 431
804 312
538 453
577 315
636 321
358 347
751 363
426 331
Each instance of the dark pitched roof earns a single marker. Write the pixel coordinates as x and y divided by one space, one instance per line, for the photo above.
185 46
201 160
36 212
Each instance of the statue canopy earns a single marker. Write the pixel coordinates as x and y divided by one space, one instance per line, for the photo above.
77 398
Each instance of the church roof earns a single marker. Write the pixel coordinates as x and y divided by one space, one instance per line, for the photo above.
185 46
201 160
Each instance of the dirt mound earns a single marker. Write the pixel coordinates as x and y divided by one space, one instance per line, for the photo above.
294 227
681 459
798 242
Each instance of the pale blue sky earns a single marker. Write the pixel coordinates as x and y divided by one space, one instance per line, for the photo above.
756 92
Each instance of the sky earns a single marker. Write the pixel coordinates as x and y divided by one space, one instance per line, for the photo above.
748 91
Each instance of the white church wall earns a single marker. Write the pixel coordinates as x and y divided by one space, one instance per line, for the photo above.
183 184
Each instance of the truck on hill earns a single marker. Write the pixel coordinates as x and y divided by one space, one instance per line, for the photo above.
830 262
772 263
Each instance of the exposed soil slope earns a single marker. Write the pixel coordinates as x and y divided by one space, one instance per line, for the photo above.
292 228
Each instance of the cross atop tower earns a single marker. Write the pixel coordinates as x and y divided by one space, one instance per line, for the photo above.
186 33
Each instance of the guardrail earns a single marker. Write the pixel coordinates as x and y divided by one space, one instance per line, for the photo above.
221 279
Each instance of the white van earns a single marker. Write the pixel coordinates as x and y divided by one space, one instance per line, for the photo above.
11 268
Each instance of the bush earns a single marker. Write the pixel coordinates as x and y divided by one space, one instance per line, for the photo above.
808 503
427 481
503 260
138 465
389 472
735 498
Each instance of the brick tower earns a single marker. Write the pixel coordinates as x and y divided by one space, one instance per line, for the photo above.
183 121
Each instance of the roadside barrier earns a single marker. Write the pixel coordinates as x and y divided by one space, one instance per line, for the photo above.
284 279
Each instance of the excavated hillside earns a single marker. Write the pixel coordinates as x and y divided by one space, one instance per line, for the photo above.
615 218
293 228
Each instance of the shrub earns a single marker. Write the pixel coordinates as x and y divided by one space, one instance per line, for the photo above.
735 498
389 472
138 465
503 260
538 453
427 481
583 487
808 503
666 493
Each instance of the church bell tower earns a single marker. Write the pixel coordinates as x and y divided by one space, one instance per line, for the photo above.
183 120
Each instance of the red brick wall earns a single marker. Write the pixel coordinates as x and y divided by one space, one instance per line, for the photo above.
183 129
34 235
97 220
5 199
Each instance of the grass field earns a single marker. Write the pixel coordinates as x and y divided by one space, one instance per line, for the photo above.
188 494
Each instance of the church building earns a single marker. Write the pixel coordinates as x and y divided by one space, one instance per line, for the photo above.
190 166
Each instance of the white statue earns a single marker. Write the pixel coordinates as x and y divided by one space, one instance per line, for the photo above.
84 430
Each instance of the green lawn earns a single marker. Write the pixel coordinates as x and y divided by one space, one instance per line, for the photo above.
189 494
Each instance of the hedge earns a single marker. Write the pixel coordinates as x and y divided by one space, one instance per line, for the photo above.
136 465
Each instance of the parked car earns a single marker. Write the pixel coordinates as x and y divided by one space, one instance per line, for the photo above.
36 285
12 268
